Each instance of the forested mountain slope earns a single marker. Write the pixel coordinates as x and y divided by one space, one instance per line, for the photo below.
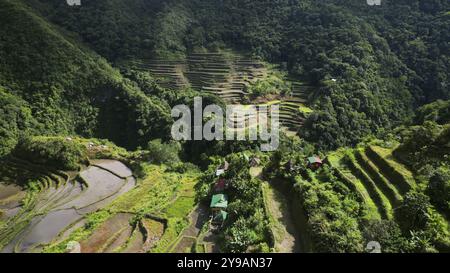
67 88
373 65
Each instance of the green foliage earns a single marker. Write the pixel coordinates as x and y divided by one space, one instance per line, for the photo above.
246 225
426 149
15 119
439 189
171 26
93 220
274 85
438 111
331 216
427 229
163 153
68 88
387 233
241 236
413 214
56 152
371 66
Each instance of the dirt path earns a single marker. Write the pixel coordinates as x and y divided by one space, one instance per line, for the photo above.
287 239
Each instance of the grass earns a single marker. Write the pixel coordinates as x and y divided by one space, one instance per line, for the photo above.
174 228
393 170
152 193
181 207
382 183
185 202
305 110
354 183
276 228
383 204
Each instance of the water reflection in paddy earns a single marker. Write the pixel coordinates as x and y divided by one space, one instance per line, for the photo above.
68 204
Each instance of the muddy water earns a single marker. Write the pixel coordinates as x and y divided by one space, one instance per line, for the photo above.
49 227
117 167
102 184
7 191
68 204
129 184
10 197
8 213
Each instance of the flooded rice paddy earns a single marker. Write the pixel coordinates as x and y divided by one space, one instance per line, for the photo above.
58 208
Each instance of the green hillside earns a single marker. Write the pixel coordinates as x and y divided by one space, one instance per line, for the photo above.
70 89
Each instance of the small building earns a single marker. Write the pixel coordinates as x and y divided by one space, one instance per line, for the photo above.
219 202
314 162
220 185
219 217
222 168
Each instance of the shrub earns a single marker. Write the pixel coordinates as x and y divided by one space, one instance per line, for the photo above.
163 153
56 152
387 233
439 189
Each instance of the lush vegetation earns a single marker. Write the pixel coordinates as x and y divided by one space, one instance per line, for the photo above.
339 211
381 95
246 228
69 89
372 65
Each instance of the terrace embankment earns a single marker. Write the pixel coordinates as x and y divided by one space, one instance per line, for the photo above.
229 75
287 219
378 179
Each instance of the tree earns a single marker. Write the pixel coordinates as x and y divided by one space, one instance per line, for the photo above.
163 153
439 189
413 213
387 233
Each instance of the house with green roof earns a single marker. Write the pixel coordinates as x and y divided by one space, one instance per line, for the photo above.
219 202
314 162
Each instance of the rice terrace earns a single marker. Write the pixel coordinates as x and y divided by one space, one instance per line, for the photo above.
210 126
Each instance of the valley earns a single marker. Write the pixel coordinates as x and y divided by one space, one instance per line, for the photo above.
89 164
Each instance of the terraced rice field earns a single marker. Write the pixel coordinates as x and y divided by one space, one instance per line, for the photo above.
197 236
59 201
379 180
227 75
170 74
118 235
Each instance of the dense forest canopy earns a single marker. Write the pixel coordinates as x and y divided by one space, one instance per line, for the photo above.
387 59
